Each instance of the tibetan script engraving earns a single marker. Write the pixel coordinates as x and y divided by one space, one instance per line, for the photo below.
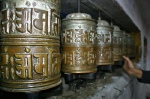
27 65
79 57
30 21
78 36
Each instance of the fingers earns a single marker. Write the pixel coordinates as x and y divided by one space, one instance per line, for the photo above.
128 62
125 67
127 59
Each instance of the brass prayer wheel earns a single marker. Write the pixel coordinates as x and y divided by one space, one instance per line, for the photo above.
117 44
30 45
125 47
104 55
129 45
133 53
132 47
78 43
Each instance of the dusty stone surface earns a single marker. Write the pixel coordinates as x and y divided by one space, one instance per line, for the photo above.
113 86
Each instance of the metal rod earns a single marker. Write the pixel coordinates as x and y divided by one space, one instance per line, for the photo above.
101 9
78 6
99 14
111 23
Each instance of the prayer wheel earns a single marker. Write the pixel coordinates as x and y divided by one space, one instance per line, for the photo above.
117 44
30 45
104 55
125 47
78 43
132 47
129 45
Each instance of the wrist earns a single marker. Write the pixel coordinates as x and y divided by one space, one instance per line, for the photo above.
137 73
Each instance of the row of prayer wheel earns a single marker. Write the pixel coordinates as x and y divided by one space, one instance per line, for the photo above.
30 58
86 46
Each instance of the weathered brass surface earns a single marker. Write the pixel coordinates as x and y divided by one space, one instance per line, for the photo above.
125 46
104 47
133 51
117 44
30 45
78 43
130 46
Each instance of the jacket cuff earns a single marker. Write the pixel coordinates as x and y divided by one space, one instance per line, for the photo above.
145 77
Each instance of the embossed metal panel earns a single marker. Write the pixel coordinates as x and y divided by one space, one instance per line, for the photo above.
133 51
125 46
130 46
78 43
117 44
30 45
104 47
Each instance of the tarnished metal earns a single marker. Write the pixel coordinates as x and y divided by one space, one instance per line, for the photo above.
78 43
30 45
104 47
131 46
117 44
125 47
133 51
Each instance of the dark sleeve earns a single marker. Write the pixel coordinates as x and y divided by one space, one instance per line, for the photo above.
145 77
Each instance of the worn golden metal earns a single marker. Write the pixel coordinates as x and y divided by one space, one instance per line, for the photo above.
125 47
133 51
30 45
130 46
117 43
104 47
78 43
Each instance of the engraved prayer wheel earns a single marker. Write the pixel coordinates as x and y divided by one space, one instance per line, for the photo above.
125 47
104 55
132 47
78 43
129 45
117 44
30 45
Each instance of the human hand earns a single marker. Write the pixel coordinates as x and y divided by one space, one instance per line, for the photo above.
128 65
130 68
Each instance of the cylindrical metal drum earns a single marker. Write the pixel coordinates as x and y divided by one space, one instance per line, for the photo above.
104 47
125 47
30 45
117 44
129 45
132 47
78 43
